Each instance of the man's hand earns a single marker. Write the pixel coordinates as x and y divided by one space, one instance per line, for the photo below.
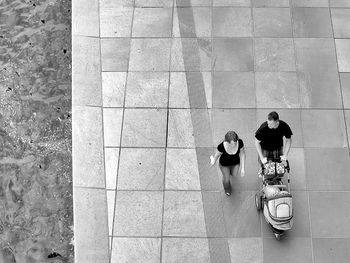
212 160
283 157
263 160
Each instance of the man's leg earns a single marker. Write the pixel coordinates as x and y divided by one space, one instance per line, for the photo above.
226 178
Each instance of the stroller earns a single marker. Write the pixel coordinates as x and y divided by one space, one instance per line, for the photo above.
274 198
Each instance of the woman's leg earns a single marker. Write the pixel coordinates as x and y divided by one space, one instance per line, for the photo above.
234 169
226 178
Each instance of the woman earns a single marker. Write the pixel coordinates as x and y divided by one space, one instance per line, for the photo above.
232 155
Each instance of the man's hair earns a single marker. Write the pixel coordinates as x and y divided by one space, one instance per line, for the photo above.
273 116
231 136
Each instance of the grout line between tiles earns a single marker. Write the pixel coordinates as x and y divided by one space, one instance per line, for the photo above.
339 78
121 130
166 134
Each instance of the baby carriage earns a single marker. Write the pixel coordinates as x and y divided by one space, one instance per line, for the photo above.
274 198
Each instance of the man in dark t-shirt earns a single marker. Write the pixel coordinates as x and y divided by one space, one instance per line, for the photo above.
269 138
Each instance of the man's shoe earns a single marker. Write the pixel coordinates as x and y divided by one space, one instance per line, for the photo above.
228 194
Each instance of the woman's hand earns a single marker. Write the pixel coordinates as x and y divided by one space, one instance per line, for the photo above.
212 160
242 172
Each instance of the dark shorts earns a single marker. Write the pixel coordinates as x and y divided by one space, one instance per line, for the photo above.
275 154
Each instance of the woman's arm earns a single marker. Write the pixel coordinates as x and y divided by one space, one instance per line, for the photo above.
214 158
242 161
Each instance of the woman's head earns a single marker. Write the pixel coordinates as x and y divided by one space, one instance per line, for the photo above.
231 136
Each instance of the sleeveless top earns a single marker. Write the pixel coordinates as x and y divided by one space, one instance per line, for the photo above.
227 159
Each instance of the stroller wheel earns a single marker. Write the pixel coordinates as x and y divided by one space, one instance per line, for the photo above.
258 202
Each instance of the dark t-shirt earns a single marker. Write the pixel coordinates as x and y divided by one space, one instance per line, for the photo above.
229 159
272 139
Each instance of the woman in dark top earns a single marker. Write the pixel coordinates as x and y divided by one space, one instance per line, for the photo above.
232 155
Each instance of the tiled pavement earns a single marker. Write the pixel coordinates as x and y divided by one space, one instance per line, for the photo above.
157 83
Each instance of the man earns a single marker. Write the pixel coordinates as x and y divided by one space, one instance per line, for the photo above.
269 139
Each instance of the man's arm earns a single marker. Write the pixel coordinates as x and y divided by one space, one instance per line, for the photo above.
286 147
258 148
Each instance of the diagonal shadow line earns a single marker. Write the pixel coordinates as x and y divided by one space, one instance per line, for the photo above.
203 136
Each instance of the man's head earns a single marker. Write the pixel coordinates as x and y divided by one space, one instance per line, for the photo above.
272 120
231 136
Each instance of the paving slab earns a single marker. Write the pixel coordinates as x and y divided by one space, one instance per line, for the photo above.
153 3
290 116
185 250
178 89
180 129
142 54
233 54
339 3
87 148
341 22
327 169
147 89
274 250
127 250
85 18
138 213
345 88
91 237
111 167
296 158
196 50
183 214
319 90
319 124
241 3
311 22
310 3
112 126
188 3
141 169
116 22
86 77
214 214
323 208
152 22
246 250
181 170
110 209
113 88
301 218
219 251
115 54
343 54
241 217
233 90
144 128
116 3
272 22
277 90
317 73
270 3
274 54
331 250
195 22
209 178
232 22
243 122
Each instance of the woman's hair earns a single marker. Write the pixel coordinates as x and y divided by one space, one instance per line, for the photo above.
231 136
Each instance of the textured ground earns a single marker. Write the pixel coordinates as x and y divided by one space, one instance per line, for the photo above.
35 131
